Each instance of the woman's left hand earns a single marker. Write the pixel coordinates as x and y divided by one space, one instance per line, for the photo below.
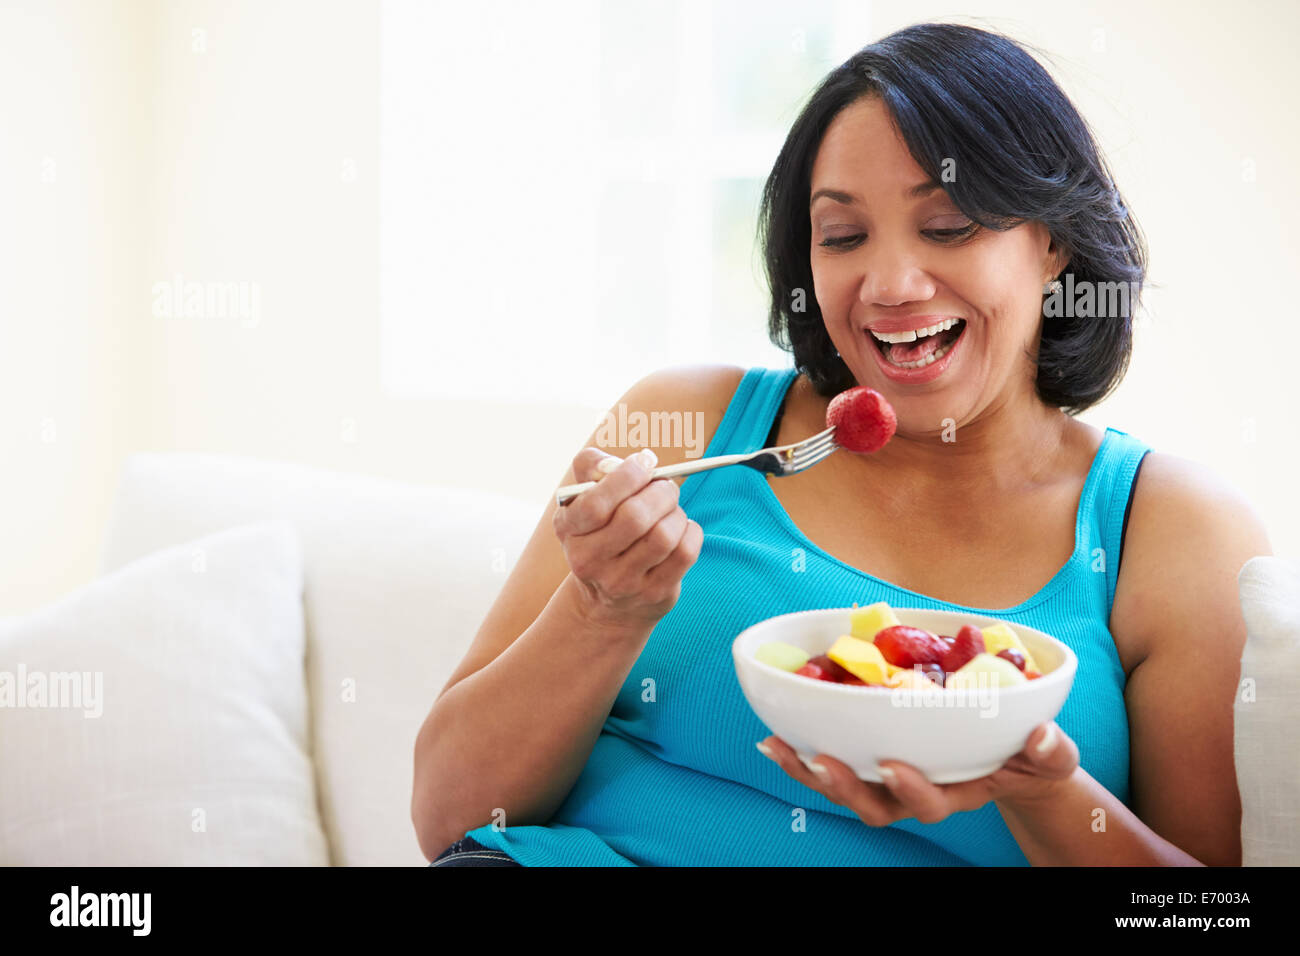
1029 776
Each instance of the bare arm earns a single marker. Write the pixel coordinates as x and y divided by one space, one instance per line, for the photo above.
512 737
1195 534
519 717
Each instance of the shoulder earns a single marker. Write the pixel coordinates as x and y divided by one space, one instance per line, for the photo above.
1173 491
697 384
675 410
1189 533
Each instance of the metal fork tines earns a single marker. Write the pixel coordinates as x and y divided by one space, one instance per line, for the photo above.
791 459
780 460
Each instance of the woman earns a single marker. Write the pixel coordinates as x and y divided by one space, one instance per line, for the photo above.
939 174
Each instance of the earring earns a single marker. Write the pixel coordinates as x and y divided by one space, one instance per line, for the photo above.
1052 287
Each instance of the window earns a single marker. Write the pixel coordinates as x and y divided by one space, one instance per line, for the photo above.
569 190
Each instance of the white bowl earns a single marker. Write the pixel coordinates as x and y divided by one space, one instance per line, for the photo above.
949 735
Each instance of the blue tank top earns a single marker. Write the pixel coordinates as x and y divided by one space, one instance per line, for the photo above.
674 778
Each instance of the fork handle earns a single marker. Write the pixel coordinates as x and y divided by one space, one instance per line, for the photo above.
567 493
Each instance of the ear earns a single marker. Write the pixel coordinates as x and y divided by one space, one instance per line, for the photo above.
1058 257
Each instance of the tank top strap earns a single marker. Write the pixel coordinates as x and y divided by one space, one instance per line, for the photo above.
1109 496
752 409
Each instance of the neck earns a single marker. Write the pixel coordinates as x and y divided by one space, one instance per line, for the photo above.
1011 448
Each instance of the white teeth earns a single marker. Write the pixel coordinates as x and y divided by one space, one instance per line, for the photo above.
929 359
918 334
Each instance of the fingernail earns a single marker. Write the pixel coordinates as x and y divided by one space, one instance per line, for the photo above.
820 770
648 458
887 774
1048 741
606 465
764 749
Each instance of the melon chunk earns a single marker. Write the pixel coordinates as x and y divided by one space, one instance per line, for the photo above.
866 622
784 656
860 658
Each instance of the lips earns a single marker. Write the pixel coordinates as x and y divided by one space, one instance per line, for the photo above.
912 323
958 329
918 375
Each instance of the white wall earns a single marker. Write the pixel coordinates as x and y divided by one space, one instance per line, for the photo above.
72 81
1193 104
254 160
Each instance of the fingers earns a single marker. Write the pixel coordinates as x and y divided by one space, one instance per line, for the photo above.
682 557
592 464
872 802
638 531
1052 754
928 802
876 804
908 793
627 539
783 755
639 515
653 547
594 508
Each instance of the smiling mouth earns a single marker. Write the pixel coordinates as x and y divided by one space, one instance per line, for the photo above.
921 352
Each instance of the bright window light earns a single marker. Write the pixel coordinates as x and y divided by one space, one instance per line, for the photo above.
569 190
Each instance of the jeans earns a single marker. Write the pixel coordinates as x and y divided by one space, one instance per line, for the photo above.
469 852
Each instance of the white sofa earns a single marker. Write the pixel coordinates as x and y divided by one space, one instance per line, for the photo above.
397 577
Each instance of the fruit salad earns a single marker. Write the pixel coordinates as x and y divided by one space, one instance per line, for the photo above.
863 420
881 652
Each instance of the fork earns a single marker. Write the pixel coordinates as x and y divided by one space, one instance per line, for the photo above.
780 460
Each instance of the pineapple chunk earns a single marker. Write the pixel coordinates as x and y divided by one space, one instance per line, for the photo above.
867 622
998 637
860 658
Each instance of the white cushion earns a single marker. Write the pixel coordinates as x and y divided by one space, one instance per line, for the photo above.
1267 713
193 659
398 578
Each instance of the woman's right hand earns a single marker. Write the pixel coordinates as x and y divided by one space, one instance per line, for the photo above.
627 541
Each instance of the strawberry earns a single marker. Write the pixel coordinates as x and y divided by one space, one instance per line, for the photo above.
968 643
904 646
863 420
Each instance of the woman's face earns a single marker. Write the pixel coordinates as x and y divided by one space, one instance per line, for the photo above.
900 260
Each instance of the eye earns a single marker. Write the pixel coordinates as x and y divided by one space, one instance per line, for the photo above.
938 235
952 235
841 242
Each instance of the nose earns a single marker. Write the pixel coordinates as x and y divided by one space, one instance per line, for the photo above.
894 278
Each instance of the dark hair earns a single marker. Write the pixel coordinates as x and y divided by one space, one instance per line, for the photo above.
1024 153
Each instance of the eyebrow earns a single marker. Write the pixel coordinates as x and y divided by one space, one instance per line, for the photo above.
919 191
